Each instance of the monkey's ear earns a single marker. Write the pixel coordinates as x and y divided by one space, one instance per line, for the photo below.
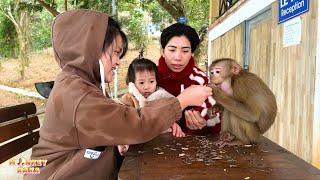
236 68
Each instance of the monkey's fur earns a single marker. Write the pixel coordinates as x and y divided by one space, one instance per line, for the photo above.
249 107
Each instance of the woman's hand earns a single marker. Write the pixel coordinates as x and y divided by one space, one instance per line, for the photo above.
194 120
194 95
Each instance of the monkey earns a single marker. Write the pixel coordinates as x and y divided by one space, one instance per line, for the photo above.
249 105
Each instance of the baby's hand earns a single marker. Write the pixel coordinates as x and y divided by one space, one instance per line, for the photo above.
123 149
177 131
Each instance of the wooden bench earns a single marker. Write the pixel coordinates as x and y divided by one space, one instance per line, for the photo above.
19 129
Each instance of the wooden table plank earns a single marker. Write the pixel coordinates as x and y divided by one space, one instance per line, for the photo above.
159 159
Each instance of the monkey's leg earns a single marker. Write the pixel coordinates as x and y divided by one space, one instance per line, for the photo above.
225 135
244 131
236 129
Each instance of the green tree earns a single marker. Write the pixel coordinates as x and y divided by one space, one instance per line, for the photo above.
57 6
52 5
133 12
175 8
98 5
197 13
19 12
41 30
8 41
133 17
159 16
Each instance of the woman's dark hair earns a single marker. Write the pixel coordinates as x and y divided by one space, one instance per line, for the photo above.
139 65
179 29
113 30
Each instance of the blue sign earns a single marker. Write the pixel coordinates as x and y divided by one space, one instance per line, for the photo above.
182 20
289 9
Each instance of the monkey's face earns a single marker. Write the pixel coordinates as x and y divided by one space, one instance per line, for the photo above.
217 74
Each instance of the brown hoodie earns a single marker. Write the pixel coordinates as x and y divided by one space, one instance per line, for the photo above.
78 115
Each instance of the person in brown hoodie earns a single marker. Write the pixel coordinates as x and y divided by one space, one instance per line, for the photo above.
82 125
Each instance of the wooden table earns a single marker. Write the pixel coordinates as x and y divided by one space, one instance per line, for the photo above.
195 157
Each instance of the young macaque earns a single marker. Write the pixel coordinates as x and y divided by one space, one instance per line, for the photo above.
249 105
214 113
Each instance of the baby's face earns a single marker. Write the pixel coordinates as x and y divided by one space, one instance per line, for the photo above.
146 82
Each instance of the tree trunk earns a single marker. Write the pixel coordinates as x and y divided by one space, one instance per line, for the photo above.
49 7
175 8
20 17
23 54
21 21
65 5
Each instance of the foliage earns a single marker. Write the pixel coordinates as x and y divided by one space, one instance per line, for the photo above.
133 15
8 42
197 12
20 12
133 18
41 30
159 16
57 6
98 5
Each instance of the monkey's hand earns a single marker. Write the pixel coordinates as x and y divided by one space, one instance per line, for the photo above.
235 142
212 85
227 137
215 89
194 120
224 139
219 143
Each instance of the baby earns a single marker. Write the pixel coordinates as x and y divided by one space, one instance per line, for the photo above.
142 78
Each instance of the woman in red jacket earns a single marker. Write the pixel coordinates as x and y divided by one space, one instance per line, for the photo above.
177 71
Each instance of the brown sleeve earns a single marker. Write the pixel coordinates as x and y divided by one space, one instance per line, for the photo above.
100 121
129 100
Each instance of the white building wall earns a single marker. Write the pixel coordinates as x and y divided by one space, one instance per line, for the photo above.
246 11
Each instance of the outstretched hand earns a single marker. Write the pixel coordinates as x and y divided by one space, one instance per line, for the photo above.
194 120
194 95
176 130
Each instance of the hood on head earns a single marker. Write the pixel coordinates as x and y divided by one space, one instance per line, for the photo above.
77 40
